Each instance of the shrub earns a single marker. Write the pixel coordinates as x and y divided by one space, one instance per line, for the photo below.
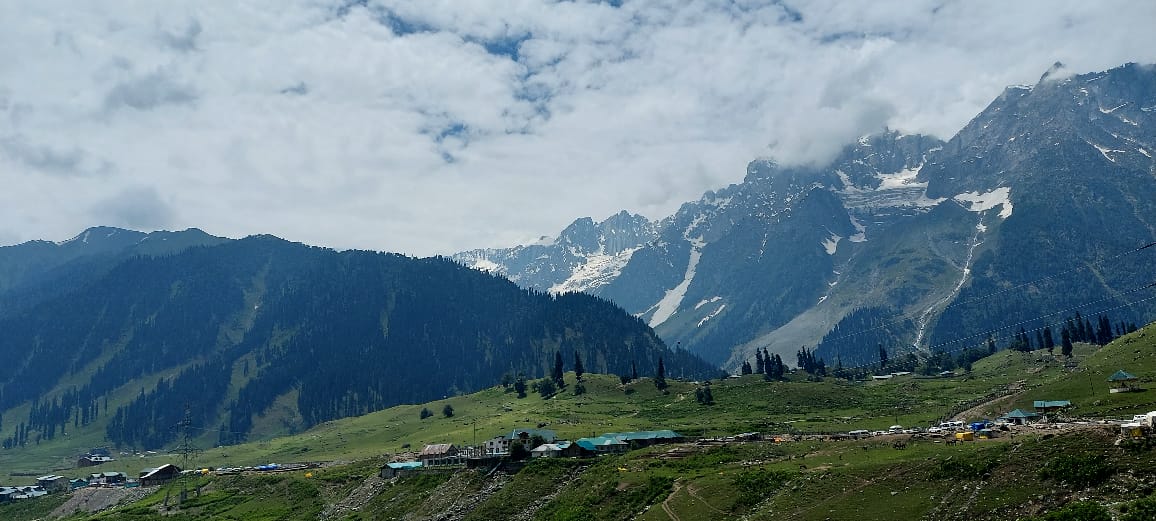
1078 471
754 486
1079 511
1140 510
956 466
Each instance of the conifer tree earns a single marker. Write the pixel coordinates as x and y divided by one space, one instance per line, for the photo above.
760 364
633 371
660 376
1049 344
746 368
520 385
559 371
882 357
578 369
1065 342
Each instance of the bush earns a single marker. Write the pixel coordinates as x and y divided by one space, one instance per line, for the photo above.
425 413
956 466
1078 471
1079 511
755 486
1140 510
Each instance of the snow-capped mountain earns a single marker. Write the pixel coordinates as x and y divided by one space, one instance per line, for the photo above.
920 232
584 257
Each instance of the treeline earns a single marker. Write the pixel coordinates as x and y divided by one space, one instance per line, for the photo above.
769 365
346 332
855 340
1073 329
52 417
154 418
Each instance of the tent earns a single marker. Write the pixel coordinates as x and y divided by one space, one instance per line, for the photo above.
1121 376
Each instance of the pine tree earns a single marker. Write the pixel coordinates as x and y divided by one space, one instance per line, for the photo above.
578 369
660 376
1065 342
1049 344
747 368
760 364
559 371
633 371
520 385
546 388
882 357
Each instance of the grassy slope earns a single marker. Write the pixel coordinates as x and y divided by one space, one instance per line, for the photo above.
836 480
743 404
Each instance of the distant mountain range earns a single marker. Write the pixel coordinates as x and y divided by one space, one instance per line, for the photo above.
1028 213
119 330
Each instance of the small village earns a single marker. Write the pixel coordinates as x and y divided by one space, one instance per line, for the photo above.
512 449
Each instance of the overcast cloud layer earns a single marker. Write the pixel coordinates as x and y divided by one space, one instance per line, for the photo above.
435 126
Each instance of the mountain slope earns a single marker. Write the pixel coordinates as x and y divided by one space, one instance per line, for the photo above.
38 270
230 330
1053 182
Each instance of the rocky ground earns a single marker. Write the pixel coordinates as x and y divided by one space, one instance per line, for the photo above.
94 500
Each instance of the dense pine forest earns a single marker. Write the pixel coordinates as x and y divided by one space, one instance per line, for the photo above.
226 330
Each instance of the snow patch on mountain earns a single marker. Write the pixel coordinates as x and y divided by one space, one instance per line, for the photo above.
902 179
598 270
707 301
1105 151
980 202
711 315
860 230
831 244
673 297
486 265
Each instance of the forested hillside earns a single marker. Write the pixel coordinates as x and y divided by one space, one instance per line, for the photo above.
228 330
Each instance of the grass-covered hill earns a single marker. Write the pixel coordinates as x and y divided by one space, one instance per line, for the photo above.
259 336
1033 473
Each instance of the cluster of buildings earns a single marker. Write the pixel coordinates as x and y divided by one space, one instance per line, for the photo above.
539 443
56 483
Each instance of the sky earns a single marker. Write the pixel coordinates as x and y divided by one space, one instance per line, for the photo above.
435 126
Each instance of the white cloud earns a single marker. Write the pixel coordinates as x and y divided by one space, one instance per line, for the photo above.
430 127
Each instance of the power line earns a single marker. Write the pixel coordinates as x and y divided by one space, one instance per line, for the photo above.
913 315
1040 328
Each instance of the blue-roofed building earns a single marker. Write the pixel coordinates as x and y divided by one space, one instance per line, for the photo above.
560 449
647 438
603 445
390 470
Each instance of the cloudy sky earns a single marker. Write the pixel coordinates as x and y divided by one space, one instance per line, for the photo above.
433 126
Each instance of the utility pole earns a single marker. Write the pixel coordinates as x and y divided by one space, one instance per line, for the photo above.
187 450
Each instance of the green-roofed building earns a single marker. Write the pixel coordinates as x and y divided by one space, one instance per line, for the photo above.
1020 417
1122 382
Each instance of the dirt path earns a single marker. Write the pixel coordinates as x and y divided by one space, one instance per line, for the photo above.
666 502
976 412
